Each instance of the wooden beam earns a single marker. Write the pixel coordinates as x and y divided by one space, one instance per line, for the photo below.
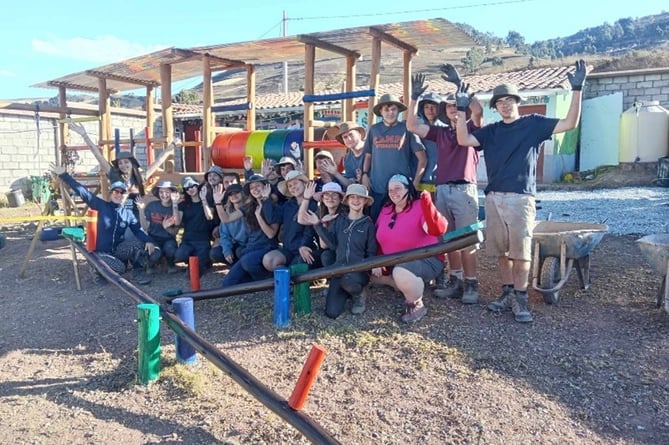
251 97
72 86
309 71
149 114
193 55
47 109
166 101
322 44
125 79
207 99
406 77
63 128
104 127
350 86
374 79
394 41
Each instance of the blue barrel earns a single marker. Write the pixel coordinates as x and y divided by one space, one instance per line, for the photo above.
292 145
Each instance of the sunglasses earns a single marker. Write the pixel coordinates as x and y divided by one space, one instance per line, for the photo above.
393 218
118 192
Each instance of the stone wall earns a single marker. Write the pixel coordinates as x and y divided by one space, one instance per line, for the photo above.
27 149
636 85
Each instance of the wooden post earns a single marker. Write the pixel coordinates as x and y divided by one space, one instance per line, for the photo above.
63 128
407 79
166 103
251 97
208 100
309 70
307 377
347 112
104 127
148 130
198 151
374 79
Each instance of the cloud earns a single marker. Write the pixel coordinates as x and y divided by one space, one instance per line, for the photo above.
7 73
102 49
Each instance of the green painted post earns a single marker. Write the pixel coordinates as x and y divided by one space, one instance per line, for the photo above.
301 292
148 337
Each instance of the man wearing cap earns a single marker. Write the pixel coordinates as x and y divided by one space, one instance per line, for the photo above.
429 105
352 136
456 191
511 149
160 219
113 220
388 149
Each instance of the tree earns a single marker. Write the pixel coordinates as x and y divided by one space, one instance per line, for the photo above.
473 59
187 97
515 40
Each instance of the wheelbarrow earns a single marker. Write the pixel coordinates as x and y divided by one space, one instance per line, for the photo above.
558 246
655 248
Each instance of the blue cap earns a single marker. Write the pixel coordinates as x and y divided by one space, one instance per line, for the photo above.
118 185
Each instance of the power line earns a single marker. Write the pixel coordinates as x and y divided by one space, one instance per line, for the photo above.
271 29
413 11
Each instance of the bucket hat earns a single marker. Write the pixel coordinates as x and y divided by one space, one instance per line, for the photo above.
188 182
358 190
294 174
164 185
347 126
389 99
504 90
429 97
213 169
118 185
329 187
286 160
324 154
125 155
251 180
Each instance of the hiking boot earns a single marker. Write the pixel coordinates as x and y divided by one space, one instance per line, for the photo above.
470 295
359 303
140 277
413 312
503 302
453 288
97 277
519 307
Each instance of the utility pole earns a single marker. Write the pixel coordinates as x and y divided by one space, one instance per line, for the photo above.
285 64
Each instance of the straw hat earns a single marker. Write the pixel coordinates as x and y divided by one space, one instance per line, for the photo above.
294 174
347 126
389 99
358 190
329 187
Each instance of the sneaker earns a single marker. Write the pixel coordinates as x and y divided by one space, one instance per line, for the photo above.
503 303
413 312
519 307
171 269
453 288
141 278
470 295
359 303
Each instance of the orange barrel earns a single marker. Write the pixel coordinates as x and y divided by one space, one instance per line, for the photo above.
255 147
274 144
292 145
229 149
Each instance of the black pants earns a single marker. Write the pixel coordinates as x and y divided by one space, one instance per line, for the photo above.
341 288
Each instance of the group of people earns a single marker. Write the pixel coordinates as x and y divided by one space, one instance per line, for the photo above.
379 200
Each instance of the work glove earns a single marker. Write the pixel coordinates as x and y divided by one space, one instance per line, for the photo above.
463 98
450 74
436 223
578 78
418 86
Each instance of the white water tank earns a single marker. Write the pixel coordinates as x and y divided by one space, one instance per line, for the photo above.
644 133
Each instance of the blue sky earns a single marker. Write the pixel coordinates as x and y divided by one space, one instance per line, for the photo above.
43 40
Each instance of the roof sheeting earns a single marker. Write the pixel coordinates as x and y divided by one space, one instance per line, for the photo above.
136 72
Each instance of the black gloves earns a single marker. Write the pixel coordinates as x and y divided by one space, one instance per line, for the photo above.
462 97
578 78
418 86
450 74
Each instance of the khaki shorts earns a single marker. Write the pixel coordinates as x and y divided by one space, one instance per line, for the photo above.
510 220
459 203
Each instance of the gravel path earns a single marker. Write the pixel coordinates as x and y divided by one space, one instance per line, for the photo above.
627 211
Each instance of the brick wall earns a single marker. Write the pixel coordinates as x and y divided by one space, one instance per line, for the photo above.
636 85
26 151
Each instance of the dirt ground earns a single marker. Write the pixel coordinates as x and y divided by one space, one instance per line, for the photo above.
593 369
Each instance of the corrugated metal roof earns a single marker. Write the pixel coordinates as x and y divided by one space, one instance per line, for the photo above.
144 70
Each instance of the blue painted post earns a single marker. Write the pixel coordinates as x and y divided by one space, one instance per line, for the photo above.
117 142
183 308
281 297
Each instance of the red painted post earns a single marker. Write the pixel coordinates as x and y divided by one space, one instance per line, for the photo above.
309 372
91 230
149 148
198 151
194 272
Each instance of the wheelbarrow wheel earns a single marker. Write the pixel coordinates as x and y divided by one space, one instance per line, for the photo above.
549 278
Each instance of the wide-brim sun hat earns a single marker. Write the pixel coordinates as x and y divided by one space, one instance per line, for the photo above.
347 126
324 154
164 185
332 187
504 90
286 160
389 99
125 155
358 190
252 179
291 176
